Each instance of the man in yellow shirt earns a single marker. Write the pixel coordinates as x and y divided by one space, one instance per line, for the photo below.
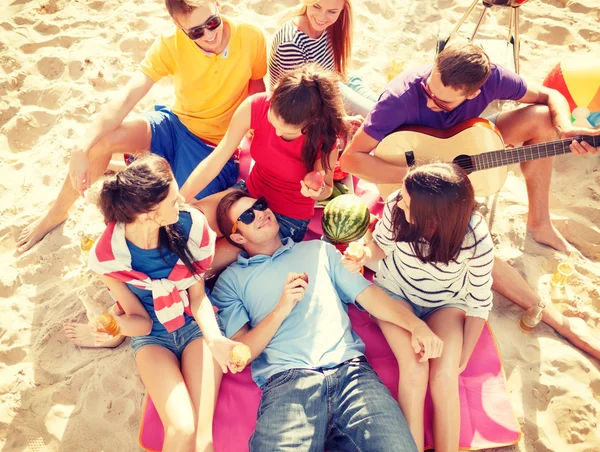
215 63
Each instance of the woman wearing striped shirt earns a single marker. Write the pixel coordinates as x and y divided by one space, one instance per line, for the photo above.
320 32
435 254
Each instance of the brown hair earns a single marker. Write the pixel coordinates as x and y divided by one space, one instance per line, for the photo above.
442 201
182 7
139 189
464 67
310 97
339 34
223 221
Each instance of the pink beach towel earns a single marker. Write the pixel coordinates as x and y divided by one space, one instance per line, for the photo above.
487 419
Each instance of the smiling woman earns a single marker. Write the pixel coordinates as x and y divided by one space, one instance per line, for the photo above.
320 31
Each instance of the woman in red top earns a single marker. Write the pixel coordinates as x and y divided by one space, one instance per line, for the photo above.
295 131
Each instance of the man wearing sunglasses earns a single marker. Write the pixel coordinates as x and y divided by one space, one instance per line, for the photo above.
318 388
215 63
460 86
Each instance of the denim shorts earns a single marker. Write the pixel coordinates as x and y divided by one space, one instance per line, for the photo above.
288 226
423 312
184 150
176 341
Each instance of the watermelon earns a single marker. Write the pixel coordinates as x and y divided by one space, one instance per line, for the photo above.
345 219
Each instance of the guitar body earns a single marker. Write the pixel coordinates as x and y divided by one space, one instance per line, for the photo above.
469 138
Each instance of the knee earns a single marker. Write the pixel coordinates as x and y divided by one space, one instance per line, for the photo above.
182 432
414 374
543 126
443 380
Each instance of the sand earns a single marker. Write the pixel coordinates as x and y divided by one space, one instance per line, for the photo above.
61 60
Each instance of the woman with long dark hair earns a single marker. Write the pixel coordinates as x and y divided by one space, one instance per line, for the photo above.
295 131
152 257
436 255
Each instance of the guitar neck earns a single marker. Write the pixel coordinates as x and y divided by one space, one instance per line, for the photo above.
506 157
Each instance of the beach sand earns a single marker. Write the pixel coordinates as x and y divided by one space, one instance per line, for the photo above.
59 63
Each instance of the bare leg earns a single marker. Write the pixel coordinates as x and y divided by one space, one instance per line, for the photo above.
414 376
532 124
133 136
448 324
509 283
159 370
203 378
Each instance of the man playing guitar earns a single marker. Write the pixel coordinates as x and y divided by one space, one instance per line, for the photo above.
460 86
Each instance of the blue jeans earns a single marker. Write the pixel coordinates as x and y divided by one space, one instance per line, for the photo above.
288 226
346 408
184 150
176 341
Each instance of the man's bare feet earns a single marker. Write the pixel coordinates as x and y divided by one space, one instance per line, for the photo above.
548 235
37 230
81 335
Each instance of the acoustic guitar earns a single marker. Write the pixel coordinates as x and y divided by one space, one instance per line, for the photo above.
475 145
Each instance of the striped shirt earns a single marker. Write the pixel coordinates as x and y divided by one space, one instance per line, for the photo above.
292 49
465 280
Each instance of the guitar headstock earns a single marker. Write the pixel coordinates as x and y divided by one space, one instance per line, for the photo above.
465 162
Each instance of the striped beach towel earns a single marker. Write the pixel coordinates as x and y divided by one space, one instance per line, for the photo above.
110 256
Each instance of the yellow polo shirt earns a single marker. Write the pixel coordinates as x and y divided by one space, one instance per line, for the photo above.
208 87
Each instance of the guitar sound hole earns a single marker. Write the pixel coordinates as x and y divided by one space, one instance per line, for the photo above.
465 162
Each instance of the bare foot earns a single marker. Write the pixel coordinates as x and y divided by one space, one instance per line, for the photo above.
549 235
81 335
37 230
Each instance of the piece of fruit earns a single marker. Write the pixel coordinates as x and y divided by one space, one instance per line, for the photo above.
345 219
303 276
240 355
314 180
355 252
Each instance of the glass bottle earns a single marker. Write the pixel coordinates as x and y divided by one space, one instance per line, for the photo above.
85 242
532 317
564 272
99 316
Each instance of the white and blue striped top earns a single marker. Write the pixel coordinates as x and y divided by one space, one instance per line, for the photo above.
465 280
292 48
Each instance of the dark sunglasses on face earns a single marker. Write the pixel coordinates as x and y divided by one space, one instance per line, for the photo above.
443 105
248 216
212 23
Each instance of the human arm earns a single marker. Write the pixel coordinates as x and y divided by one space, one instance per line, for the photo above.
209 168
325 193
135 320
479 285
561 116
383 307
108 119
237 318
358 160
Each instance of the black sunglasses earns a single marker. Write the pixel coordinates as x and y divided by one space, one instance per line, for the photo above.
247 217
212 23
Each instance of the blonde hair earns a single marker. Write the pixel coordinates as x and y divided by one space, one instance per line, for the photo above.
340 33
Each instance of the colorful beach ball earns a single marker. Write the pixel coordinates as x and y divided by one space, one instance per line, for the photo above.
578 79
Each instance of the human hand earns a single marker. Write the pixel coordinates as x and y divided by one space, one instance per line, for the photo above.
100 337
310 193
426 343
221 348
354 257
293 292
581 147
354 123
79 171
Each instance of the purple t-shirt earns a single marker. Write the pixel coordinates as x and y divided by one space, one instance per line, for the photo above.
403 102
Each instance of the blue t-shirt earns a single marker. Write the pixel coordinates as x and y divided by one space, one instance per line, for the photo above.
317 333
404 102
156 263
